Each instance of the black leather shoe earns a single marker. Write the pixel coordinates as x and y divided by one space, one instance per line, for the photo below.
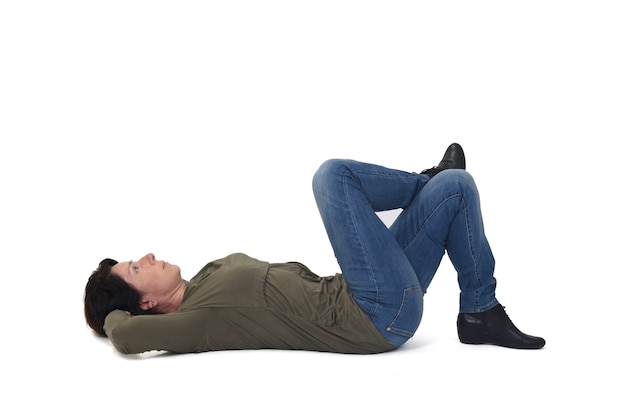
453 158
493 327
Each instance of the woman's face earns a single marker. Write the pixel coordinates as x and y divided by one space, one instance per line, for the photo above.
151 278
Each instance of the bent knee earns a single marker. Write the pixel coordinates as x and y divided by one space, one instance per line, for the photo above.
329 171
459 177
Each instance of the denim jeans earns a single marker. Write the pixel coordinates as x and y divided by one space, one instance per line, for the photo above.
388 270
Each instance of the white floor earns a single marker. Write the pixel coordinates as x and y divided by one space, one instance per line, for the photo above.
192 130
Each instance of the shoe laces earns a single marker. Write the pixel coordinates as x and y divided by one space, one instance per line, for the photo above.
431 171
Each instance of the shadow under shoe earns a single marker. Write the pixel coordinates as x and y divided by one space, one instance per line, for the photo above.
494 327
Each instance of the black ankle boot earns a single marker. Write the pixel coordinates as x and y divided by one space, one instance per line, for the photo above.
453 158
494 327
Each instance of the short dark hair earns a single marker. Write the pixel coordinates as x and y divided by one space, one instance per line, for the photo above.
106 292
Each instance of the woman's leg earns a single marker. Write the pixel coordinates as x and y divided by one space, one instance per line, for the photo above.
380 276
446 215
388 270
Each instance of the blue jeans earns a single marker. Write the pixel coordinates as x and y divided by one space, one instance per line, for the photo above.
388 270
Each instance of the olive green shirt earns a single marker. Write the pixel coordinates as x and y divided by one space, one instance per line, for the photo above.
239 302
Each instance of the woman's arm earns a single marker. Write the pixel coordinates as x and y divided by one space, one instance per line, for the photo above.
173 332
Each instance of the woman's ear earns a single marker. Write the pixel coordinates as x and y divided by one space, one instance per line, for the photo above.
147 304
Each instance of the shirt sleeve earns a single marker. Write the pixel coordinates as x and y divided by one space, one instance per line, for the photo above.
177 332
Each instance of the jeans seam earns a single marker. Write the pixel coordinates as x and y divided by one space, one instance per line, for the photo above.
404 299
430 216
369 266
471 249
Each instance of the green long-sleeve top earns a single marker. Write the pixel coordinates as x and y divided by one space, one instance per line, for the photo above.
239 302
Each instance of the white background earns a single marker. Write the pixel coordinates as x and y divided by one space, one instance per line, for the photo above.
192 130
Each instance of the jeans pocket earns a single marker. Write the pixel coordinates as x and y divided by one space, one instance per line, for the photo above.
409 315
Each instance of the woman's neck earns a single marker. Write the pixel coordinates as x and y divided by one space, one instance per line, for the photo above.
174 300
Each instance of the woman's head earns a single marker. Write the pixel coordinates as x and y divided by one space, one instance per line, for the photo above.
105 291
155 280
145 286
